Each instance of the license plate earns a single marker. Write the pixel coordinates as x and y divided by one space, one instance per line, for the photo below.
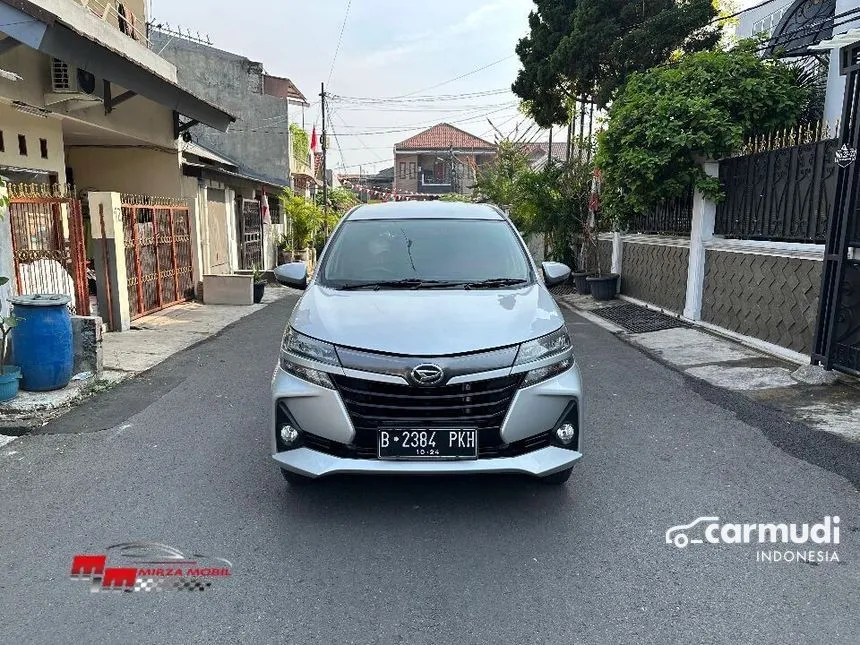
428 444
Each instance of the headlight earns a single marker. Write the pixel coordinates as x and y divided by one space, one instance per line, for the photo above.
543 373
307 347
534 350
296 344
555 344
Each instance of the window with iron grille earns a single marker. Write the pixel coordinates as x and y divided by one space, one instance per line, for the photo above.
402 170
274 209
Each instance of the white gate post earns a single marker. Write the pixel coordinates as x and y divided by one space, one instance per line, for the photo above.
7 263
702 230
109 255
617 250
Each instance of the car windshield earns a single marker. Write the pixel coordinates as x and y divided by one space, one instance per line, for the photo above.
416 253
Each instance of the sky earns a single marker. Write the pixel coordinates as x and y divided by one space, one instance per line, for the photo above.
389 48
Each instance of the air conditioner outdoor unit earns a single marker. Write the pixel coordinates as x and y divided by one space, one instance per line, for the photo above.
67 79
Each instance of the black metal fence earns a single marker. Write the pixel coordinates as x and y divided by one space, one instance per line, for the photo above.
670 217
780 195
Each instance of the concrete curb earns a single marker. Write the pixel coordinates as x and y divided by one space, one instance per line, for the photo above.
767 379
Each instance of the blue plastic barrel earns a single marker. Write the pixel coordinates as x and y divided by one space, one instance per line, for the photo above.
42 341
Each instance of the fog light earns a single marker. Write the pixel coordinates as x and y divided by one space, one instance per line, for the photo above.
289 435
566 433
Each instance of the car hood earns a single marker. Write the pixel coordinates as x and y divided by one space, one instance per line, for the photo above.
429 322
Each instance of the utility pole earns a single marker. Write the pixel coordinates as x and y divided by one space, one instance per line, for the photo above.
571 118
453 169
324 166
549 147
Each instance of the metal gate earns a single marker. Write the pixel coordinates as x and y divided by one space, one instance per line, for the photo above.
251 246
48 243
837 337
157 252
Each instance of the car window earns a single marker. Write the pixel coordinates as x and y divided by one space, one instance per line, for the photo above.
426 249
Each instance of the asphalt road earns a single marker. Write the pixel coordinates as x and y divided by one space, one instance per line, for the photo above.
181 456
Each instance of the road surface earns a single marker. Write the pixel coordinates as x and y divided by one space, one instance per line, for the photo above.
181 456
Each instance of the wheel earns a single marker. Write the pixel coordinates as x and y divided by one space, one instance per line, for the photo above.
295 479
558 478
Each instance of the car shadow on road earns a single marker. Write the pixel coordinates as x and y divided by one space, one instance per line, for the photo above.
458 495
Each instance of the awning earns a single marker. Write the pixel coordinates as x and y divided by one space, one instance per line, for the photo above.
43 31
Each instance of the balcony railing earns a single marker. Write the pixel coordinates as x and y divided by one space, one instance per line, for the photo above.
430 179
119 16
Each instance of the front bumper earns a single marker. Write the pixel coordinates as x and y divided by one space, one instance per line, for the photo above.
311 463
533 411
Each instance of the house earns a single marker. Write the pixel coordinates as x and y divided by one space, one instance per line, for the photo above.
538 153
229 214
91 114
264 143
442 159
792 31
264 105
370 186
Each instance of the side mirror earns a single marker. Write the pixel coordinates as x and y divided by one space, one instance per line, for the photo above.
294 274
555 273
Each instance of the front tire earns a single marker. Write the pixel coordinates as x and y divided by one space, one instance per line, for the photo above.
294 479
557 479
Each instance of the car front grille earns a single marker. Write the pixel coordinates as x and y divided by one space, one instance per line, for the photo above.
478 404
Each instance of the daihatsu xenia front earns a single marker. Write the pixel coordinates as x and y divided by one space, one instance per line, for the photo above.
426 343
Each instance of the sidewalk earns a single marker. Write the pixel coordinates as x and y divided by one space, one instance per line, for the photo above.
151 340
791 388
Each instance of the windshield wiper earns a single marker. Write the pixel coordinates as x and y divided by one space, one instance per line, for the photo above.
496 282
406 283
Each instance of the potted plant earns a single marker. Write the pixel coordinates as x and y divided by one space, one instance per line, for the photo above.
259 284
9 374
602 285
284 249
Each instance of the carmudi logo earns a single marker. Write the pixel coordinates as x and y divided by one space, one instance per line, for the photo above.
818 538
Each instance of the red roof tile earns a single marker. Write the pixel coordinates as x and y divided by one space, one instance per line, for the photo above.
443 137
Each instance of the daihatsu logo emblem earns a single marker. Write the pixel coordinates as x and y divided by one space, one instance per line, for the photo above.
427 374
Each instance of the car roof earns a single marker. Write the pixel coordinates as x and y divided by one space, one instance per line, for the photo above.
425 210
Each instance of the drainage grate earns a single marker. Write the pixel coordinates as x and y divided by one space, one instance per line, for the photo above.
563 289
638 319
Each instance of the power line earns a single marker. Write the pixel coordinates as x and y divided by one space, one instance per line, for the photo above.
457 78
339 40
419 99
452 109
361 141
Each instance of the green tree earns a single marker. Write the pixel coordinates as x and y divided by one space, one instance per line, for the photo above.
455 197
667 120
496 181
589 47
305 219
553 202
342 199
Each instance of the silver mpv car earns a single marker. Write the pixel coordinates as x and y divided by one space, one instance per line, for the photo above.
426 343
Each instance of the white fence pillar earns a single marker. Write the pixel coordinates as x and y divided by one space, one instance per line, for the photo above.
617 249
7 263
109 255
702 230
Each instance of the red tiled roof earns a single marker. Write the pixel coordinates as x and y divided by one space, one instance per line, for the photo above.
443 137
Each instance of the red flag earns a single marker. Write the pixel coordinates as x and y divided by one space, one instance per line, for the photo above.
315 142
